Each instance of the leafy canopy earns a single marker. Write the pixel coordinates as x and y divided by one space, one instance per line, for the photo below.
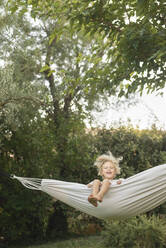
135 39
133 33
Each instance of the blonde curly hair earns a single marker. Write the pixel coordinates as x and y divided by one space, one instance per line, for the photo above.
105 158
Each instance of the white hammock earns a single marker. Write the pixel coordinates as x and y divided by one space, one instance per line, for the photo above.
137 194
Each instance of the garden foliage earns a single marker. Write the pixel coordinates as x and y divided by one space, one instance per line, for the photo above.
137 232
26 214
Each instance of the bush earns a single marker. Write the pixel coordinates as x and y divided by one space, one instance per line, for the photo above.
34 154
83 224
137 232
23 213
141 149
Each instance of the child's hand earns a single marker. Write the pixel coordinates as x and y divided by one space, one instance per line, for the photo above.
119 181
89 185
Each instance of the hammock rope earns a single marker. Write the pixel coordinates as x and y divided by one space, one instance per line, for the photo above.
30 183
137 194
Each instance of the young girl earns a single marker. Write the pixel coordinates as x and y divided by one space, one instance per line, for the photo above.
108 168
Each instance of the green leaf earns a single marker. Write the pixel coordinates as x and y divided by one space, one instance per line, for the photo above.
45 68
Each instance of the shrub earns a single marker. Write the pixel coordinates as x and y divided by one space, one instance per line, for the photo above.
23 213
35 155
136 232
83 224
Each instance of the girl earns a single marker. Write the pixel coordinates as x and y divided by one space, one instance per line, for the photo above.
108 168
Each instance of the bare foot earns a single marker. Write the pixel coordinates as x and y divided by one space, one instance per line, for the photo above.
93 200
100 199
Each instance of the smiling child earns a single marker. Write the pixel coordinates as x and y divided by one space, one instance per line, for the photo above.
108 168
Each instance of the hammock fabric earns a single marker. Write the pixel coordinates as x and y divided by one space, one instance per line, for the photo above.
137 194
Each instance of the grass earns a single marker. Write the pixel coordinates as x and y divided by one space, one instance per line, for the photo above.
83 242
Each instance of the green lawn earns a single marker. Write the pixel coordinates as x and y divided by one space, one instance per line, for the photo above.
84 242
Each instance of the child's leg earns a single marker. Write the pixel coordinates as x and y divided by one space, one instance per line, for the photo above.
96 187
104 188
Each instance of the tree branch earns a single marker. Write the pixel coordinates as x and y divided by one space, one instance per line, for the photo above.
18 99
50 79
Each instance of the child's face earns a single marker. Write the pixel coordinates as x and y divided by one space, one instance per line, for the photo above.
108 170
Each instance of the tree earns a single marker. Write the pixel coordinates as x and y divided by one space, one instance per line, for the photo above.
133 33
26 142
69 67
49 84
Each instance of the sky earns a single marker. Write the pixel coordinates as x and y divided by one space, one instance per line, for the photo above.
150 109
